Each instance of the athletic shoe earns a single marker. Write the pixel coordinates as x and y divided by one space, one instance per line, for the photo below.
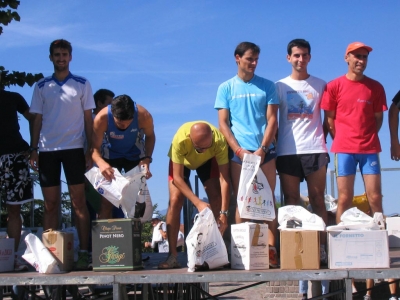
392 298
170 263
83 261
367 297
323 256
273 257
20 264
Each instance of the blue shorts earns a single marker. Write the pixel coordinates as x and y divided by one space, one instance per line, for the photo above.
268 156
346 164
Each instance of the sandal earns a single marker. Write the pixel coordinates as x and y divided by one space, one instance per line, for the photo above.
170 263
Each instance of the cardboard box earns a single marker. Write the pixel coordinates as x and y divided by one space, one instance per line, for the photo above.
354 249
249 246
61 245
300 250
6 255
393 228
116 245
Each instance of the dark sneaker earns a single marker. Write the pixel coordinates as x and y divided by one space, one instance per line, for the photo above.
170 263
83 261
323 256
273 257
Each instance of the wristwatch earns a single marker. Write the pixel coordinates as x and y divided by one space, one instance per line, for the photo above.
224 212
265 149
149 157
31 149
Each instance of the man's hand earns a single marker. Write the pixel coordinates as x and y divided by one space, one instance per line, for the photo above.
34 161
242 153
395 151
260 152
222 223
201 205
146 165
88 160
107 171
147 244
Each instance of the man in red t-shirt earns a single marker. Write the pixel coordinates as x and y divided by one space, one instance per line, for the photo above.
354 106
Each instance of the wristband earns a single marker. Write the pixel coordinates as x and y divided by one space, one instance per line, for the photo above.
238 150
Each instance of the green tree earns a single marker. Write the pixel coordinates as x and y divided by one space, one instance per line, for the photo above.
7 15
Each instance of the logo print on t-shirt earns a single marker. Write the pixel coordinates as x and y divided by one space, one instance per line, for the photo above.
300 105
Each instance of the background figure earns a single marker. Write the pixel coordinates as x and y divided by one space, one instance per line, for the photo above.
129 133
15 181
66 100
301 149
196 146
247 112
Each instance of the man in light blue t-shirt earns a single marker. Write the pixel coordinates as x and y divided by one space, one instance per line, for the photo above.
247 111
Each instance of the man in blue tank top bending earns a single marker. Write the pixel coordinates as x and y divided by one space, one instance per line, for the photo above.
129 130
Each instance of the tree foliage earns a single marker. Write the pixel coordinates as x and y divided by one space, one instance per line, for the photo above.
7 15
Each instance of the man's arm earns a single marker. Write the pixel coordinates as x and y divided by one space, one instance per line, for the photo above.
329 122
272 125
99 127
225 194
87 115
181 185
225 128
394 132
35 133
145 122
30 118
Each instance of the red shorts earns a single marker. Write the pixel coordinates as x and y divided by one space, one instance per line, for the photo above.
206 171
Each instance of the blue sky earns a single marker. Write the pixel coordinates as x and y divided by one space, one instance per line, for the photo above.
170 57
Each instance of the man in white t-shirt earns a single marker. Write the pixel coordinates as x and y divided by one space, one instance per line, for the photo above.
63 106
301 149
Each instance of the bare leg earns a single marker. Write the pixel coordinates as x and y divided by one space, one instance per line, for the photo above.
269 170
14 223
52 202
77 193
106 208
346 193
316 182
290 188
173 216
369 284
213 191
374 192
393 287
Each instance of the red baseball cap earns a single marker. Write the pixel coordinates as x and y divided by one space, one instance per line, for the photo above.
357 45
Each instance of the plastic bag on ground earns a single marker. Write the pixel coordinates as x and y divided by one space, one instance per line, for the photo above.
205 247
309 221
38 256
355 219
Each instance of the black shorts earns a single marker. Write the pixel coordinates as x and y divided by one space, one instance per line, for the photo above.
15 180
72 161
122 163
301 165
206 171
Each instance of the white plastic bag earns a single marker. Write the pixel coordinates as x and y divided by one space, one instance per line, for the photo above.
38 256
309 220
255 200
330 203
163 246
355 219
128 191
205 246
111 190
136 200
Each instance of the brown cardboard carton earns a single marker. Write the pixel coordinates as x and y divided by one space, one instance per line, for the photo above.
300 250
61 245
6 255
116 245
